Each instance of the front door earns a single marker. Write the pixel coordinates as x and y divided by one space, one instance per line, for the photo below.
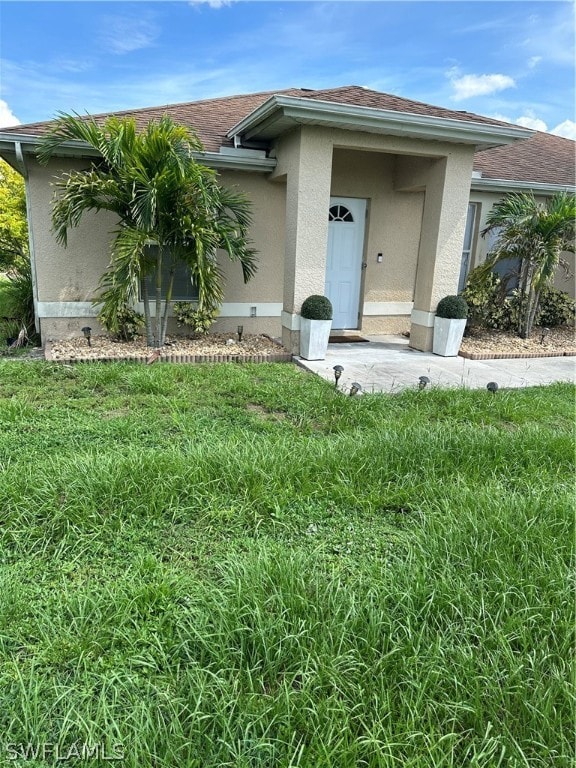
344 259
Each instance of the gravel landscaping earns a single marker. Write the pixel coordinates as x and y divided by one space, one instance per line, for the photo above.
477 344
543 343
186 350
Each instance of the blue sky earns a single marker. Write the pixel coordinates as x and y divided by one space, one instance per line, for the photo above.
511 60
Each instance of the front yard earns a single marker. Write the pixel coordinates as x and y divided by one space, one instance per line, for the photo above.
233 565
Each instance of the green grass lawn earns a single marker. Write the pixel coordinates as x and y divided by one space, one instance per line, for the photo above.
209 566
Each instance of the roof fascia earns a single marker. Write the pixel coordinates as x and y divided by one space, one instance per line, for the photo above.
230 161
509 185
376 120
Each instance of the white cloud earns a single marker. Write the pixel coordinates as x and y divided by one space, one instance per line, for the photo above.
533 61
531 121
211 3
122 34
567 129
7 117
467 86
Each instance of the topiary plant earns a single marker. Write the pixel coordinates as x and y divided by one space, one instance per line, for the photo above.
452 308
317 308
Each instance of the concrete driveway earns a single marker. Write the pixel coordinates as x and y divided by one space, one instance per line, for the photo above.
388 364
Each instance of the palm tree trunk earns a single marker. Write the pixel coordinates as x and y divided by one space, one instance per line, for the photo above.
169 288
533 312
158 318
147 318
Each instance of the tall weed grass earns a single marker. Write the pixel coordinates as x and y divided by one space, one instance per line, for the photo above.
236 566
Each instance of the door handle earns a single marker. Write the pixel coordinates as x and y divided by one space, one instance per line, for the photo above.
364 264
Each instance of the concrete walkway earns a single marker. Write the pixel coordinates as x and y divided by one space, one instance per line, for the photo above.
388 364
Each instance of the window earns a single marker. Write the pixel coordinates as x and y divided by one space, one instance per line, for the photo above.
467 247
508 270
339 213
183 288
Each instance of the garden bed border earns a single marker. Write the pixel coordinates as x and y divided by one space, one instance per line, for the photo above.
512 355
171 357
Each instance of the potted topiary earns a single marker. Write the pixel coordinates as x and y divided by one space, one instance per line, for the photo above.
315 325
449 325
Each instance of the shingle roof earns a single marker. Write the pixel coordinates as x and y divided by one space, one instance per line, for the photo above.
543 158
213 118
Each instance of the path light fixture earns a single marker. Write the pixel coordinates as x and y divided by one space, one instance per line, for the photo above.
543 333
355 388
492 386
240 331
337 373
87 331
423 381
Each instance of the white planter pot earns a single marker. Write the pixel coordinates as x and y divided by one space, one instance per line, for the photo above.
447 336
314 335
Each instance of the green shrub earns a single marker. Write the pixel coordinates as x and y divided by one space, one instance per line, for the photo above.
123 324
556 308
199 320
488 304
492 307
317 308
452 307
17 295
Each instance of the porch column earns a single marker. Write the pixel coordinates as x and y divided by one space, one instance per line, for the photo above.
442 237
308 164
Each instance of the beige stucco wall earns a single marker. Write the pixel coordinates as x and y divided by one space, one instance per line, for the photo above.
393 225
72 274
267 236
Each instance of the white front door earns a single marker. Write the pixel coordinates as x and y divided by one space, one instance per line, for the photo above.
344 259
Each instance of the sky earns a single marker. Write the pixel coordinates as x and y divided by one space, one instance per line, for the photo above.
510 60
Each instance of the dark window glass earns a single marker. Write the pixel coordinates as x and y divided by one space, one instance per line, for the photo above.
183 288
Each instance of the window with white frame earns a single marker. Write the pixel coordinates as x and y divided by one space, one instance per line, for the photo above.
468 245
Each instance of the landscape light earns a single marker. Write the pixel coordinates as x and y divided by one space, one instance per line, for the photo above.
355 388
423 381
240 330
87 331
492 386
337 373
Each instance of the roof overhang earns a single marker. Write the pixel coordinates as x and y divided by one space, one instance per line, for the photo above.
281 113
509 185
228 158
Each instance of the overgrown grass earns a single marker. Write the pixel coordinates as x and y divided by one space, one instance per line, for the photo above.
208 566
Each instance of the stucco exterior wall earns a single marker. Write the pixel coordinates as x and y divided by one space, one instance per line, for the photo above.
71 273
393 226
68 277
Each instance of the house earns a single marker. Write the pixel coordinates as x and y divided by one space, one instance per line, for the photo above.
363 196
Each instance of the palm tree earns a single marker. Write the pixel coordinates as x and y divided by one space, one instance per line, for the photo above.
170 209
534 235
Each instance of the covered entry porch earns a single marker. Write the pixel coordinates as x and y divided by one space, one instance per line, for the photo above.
376 223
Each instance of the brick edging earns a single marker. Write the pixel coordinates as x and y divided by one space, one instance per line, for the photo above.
512 355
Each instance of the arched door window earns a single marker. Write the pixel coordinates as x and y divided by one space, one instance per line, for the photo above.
339 213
